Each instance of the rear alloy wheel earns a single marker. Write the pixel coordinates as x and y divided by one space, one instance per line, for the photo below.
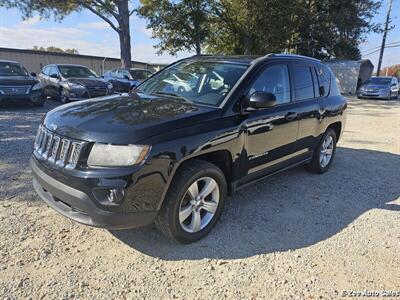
324 154
194 202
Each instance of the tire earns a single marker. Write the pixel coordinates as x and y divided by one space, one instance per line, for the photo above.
180 202
318 164
62 95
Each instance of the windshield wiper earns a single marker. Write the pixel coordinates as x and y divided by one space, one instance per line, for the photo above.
172 95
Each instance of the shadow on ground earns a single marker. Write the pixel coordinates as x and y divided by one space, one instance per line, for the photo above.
292 210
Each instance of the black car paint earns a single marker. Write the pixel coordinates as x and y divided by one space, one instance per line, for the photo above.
248 146
32 97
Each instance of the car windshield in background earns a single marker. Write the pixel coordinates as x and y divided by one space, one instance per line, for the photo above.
378 81
10 69
140 74
77 71
205 82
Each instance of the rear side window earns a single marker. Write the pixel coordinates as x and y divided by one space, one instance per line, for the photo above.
324 79
303 83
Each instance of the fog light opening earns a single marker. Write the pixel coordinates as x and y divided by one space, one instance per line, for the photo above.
115 196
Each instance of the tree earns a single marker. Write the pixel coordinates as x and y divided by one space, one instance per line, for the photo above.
55 49
115 12
317 28
178 25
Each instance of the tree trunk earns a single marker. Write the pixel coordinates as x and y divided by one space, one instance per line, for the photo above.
124 33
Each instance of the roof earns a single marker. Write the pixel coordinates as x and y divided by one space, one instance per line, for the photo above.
248 59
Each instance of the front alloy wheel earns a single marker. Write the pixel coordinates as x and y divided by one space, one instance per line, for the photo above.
199 204
194 202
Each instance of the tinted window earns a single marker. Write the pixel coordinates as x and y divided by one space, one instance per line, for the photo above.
53 70
378 80
12 69
303 83
76 71
275 80
206 82
46 70
324 80
140 74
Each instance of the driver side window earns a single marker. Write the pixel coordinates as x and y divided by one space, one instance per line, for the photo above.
275 80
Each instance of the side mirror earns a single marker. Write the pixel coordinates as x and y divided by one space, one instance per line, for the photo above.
55 76
126 77
261 100
33 74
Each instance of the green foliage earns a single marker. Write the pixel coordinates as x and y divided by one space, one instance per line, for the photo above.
55 49
317 28
178 25
115 13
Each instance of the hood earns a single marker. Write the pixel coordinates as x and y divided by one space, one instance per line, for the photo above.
125 118
374 86
88 82
17 80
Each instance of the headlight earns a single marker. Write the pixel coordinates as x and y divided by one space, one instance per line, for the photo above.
75 86
106 155
362 89
36 86
110 86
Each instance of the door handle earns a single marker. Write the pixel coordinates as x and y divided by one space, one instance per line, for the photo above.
291 116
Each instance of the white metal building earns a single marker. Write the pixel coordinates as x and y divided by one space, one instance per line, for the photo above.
351 74
35 60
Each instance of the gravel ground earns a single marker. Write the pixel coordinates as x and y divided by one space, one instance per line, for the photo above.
293 236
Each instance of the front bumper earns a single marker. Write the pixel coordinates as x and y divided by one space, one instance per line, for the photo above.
78 206
83 94
372 95
34 97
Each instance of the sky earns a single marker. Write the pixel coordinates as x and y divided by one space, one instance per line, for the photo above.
90 35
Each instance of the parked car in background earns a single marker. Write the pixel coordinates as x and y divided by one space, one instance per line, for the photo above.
173 157
125 80
380 87
73 82
17 86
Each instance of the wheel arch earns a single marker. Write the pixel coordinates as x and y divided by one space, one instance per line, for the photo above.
337 127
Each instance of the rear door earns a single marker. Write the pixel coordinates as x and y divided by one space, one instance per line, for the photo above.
311 87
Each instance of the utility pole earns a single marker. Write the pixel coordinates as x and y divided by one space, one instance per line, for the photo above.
384 37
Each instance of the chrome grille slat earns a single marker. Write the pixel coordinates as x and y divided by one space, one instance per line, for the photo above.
54 150
62 152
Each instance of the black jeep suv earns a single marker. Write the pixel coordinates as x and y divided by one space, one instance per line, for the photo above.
170 152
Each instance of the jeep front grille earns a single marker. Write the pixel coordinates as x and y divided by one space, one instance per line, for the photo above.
57 150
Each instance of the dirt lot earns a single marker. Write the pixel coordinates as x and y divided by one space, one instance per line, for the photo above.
296 235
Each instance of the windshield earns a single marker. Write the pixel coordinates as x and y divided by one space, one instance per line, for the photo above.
12 69
377 80
205 82
140 74
76 71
